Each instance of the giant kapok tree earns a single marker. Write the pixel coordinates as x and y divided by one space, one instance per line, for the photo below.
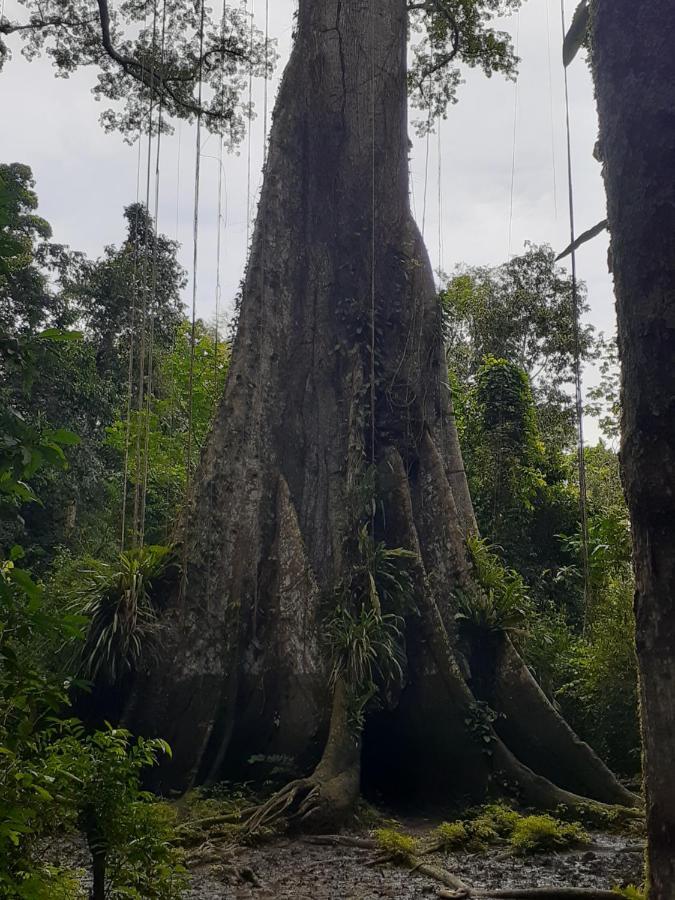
324 544
325 541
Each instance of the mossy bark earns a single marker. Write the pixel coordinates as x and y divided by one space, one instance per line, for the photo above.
327 377
634 71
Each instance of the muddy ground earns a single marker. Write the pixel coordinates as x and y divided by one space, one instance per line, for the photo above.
301 870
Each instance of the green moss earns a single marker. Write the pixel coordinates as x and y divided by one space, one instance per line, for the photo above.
499 817
536 834
488 825
400 847
497 823
452 835
617 819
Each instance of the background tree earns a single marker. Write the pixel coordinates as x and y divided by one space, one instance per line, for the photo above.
27 301
84 384
54 775
522 486
146 54
604 401
109 293
521 468
521 311
179 402
523 482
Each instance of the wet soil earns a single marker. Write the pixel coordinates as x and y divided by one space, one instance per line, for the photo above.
297 870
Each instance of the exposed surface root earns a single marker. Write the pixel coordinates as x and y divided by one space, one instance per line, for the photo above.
542 893
543 740
208 822
296 801
325 800
342 840
414 524
459 889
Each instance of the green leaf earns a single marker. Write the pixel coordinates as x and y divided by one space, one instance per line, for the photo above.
64 437
23 580
57 335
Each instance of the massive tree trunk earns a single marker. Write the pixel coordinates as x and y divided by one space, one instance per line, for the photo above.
338 372
634 68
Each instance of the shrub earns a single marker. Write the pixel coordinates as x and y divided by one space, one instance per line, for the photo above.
599 694
36 797
143 862
50 883
64 779
128 833
593 677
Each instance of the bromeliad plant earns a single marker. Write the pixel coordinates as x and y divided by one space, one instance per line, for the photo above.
381 576
497 601
367 642
367 650
118 600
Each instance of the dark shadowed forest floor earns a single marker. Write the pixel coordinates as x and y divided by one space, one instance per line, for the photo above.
295 868
300 870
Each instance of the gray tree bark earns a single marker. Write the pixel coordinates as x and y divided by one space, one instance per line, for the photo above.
338 364
634 69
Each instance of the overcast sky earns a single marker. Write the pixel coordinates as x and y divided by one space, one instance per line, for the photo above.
85 177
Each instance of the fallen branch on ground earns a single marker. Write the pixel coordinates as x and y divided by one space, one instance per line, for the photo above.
541 893
342 840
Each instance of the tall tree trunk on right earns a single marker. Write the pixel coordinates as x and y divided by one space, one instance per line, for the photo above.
634 68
